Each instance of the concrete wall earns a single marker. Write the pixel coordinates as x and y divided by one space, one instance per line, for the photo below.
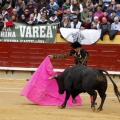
24 75
15 75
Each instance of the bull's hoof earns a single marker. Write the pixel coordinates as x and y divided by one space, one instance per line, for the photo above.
74 101
62 106
93 108
99 109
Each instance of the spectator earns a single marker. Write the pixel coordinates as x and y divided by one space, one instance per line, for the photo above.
31 20
20 5
41 5
106 3
26 12
75 23
67 13
90 16
99 12
1 22
52 7
113 3
113 15
14 12
102 5
19 9
118 9
86 24
42 20
90 5
110 10
30 7
116 24
95 2
22 18
95 24
5 14
37 15
76 8
105 14
117 1
65 23
45 13
59 14
60 3
12 3
8 7
105 26
66 5
34 3
13 18
53 19
84 13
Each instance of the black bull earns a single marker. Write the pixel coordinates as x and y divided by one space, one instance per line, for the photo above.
77 79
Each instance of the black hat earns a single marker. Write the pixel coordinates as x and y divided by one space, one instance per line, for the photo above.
75 45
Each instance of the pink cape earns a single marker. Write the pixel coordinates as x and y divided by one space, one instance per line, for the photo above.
42 91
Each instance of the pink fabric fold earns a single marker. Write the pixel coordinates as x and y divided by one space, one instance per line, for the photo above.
42 91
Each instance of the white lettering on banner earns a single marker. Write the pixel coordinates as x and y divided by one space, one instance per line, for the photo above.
42 31
49 32
10 40
28 32
22 31
6 29
35 41
11 34
25 33
7 34
36 31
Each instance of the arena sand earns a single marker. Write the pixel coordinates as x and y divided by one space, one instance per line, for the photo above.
16 107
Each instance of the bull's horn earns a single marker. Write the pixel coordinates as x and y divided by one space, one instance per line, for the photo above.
52 77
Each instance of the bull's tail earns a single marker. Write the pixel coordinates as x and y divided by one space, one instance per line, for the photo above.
116 91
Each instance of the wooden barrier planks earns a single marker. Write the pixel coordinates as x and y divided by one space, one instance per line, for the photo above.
30 55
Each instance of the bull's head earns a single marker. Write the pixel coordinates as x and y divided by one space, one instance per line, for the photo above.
60 83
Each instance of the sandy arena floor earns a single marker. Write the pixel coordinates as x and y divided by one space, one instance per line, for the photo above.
16 107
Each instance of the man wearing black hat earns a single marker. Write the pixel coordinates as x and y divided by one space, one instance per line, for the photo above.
80 54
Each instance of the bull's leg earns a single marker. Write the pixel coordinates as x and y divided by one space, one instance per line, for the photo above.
65 101
74 94
94 96
102 96
92 93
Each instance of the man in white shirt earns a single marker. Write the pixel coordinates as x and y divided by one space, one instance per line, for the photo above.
75 23
116 24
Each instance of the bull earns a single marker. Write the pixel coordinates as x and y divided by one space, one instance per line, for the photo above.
78 79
